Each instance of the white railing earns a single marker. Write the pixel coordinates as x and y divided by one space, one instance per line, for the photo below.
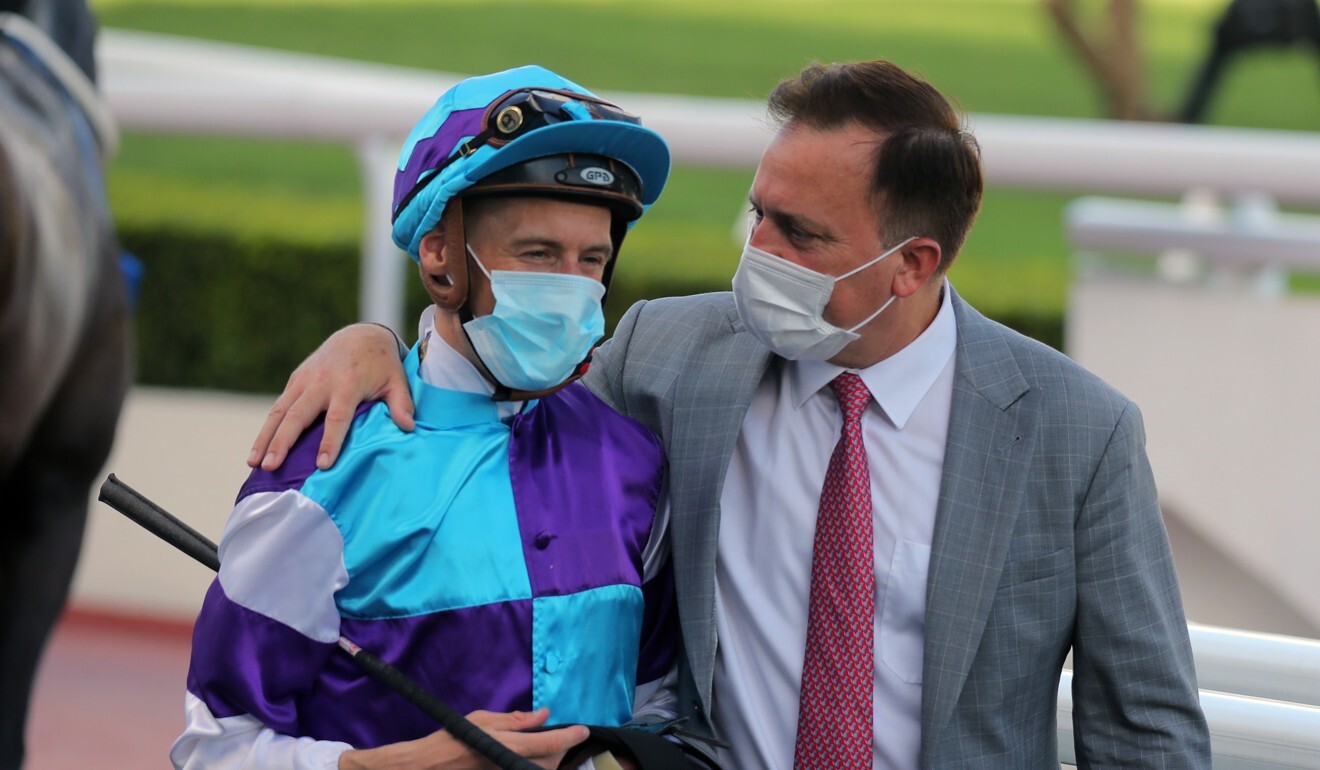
166 84
1243 241
1250 233
1260 694
163 84
1245 732
1281 668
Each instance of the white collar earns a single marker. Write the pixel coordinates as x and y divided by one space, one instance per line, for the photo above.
444 367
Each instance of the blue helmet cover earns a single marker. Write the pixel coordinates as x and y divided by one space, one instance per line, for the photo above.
457 116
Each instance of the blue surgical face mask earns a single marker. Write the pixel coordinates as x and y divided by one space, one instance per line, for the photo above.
542 327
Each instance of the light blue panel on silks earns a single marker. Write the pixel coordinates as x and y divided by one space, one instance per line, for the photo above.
428 517
576 640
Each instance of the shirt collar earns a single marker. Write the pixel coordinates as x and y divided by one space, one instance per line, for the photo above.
444 369
899 382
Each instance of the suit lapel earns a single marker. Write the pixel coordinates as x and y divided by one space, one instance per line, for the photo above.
709 405
992 431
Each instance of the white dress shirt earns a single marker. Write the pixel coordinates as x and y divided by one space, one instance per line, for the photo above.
767 526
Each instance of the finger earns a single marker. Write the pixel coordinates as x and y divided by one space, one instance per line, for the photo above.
400 402
273 418
338 418
511 720
301 414
550 745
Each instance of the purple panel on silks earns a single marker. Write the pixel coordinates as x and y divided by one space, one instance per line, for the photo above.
246 663
297 466
297 686
435 149
585 483
472 658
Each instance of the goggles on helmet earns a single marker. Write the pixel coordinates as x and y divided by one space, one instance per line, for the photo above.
526 109
519 112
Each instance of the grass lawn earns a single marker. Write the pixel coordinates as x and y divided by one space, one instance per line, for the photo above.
993 56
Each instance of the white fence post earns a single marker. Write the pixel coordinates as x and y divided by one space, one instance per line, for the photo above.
383 276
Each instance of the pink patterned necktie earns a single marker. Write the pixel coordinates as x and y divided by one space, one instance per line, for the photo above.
835 709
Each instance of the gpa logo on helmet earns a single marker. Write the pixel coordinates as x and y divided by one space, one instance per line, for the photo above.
597 176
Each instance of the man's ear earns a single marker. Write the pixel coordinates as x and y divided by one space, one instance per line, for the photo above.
919 261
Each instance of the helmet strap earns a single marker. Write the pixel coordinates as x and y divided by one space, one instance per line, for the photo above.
618 229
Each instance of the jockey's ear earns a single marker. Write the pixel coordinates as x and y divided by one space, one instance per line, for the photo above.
442 260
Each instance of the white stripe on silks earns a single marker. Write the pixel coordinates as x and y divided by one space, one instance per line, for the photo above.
242 742
283 557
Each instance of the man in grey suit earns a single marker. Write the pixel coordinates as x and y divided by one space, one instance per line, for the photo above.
849 440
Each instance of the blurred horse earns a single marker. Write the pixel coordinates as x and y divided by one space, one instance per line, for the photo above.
64 363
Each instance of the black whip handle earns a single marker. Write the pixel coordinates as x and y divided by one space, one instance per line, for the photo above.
159 521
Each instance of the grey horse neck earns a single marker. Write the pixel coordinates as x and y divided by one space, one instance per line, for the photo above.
56 241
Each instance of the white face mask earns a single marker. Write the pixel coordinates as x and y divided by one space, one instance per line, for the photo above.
783 305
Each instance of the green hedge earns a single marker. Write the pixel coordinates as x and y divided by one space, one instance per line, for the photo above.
231 313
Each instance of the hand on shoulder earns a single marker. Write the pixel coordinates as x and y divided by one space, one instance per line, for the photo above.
356 364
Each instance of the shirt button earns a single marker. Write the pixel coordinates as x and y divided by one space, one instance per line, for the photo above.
551 663
542 541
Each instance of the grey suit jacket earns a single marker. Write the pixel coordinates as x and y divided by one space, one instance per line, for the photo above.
1048 537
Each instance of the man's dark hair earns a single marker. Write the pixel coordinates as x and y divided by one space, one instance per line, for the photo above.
927 179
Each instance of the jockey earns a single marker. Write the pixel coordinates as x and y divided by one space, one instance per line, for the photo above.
505 554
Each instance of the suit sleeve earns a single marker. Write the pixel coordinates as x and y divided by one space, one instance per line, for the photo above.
605 375
1135 699
264 633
